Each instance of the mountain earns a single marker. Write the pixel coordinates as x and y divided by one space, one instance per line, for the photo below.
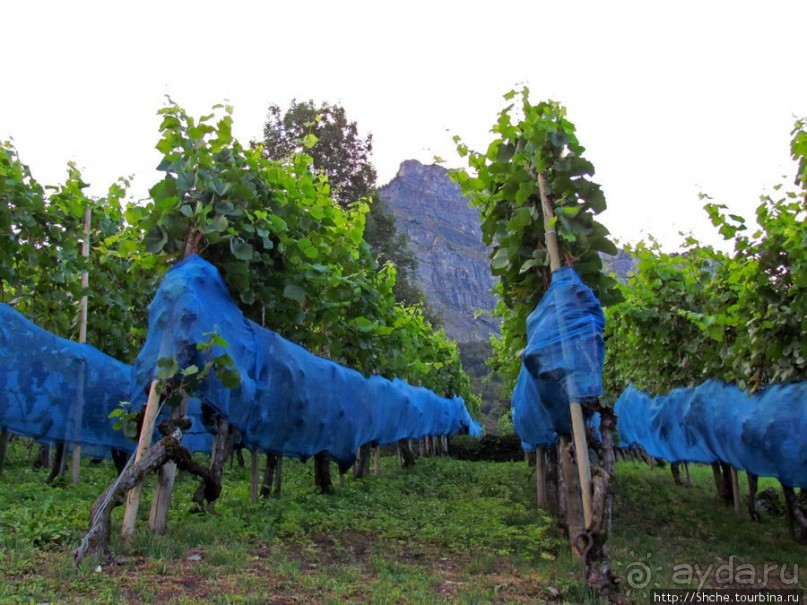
444 234
453 263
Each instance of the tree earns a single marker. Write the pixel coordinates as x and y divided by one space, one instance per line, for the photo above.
340 152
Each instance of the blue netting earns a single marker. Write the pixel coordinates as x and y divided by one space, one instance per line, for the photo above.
55 390
290 401
562 362
764 433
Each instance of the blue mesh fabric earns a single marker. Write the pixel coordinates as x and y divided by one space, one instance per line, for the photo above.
562 362
531 419
764 433
290 401
55 390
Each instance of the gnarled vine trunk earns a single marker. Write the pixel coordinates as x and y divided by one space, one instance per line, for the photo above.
322 472
96 541
598 564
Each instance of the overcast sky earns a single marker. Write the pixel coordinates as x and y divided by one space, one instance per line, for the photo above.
670 98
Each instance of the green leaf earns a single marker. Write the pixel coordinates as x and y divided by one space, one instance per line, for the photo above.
362 324
500 260
295 293
520 219
531 264
229 377
217 224
525 190
155 240
167 368
241 249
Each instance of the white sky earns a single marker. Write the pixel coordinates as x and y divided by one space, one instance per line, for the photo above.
670 98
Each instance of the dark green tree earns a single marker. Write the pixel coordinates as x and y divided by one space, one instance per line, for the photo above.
340 152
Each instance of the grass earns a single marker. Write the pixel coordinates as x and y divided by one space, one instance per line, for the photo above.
445 531
675 533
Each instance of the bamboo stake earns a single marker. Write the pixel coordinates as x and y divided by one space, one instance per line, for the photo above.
133 497
82 336
576 410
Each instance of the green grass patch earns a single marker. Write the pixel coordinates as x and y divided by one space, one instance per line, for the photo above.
446 531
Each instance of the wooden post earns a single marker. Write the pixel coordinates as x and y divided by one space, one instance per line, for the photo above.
575 517
361 468
735 491
82 338
161 501
540 478
255 474
752 494
133 497
576 410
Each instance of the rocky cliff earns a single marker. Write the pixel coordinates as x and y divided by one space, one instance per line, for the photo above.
444 234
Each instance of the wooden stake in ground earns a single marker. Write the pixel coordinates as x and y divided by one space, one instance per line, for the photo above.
540 477
752 494
570 493
161 501
254 473
576 410
82 338
133 497
735 491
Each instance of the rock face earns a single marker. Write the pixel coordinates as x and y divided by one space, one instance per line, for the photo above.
444 234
